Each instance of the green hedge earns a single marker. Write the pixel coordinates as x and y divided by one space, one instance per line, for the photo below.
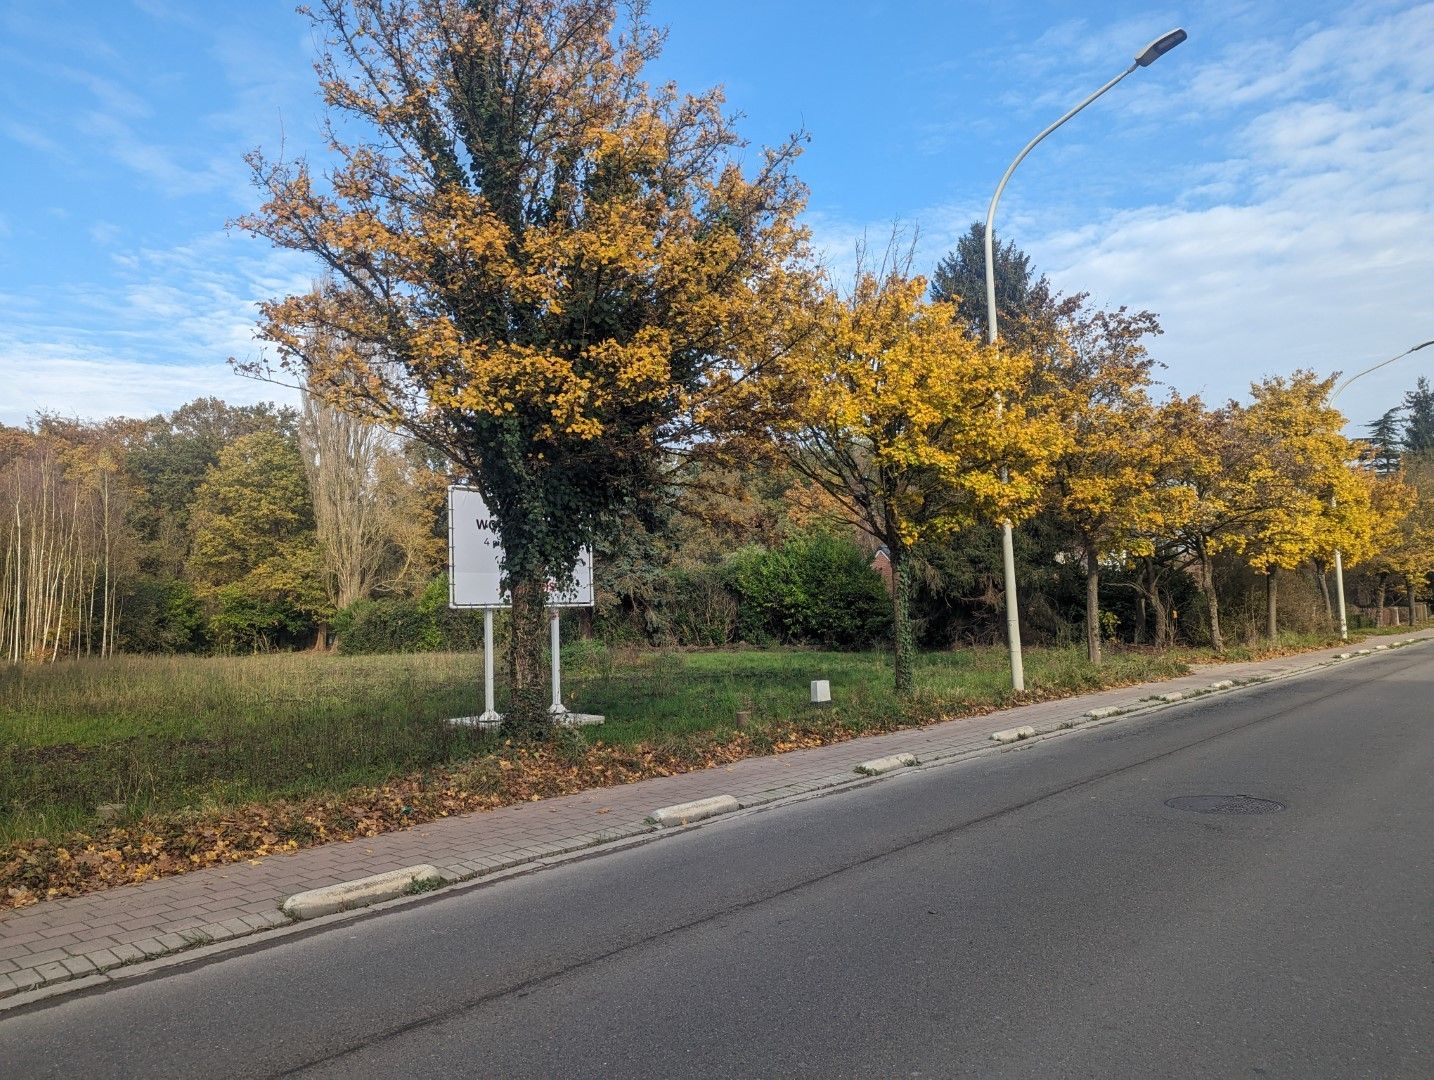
814 589
408 624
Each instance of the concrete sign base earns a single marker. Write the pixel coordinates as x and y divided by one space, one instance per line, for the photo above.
491 723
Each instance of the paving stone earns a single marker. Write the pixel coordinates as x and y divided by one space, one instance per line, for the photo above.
261 922
127 954
24 979
103 958
78 965
52 973
49 956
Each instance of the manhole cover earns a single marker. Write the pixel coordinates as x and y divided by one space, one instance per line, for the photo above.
1225 804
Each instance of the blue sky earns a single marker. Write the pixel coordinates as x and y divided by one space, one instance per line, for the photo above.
1266 187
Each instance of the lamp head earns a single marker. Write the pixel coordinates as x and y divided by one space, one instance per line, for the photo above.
1159 47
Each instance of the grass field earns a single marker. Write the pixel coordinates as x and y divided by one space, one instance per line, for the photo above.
164 733
157 733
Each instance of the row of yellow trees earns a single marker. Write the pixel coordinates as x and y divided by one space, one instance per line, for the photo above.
904 420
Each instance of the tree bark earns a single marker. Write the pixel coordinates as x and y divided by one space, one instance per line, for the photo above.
903 640
1379 591
1409 593
1324 591
1207 571
527 713
1157 604
1272 628
1092 605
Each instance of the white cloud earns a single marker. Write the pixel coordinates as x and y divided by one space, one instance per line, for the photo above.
161 337
1326 262
90 385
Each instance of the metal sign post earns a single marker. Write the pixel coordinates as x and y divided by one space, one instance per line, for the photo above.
475 581
556 637
490 715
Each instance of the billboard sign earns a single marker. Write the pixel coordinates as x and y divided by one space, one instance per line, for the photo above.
475 555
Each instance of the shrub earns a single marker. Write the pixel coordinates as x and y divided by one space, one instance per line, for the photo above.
383 626
408 624
815 589
160 614
683 605
241 621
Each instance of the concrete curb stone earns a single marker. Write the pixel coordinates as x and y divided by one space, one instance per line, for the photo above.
342 897
879 766
697 810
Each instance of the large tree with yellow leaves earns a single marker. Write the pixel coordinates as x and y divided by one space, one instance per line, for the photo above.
1106 488
1303 499
905 422
541 265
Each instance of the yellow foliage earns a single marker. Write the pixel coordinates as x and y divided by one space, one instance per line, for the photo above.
906 422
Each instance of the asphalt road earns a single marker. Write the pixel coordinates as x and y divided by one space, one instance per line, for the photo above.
1034 913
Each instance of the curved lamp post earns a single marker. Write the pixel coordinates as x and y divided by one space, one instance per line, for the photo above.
1147 56
1338 555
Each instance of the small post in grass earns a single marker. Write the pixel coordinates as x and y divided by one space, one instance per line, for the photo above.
821 692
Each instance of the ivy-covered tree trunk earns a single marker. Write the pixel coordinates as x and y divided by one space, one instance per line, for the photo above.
1272 629
527 714
903 639
1092 605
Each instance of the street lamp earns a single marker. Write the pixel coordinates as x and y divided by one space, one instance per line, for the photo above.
1147 56
1338 556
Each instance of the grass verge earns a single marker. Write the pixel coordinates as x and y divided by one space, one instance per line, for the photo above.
128 769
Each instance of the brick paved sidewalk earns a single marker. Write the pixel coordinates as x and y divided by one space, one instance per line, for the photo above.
58 940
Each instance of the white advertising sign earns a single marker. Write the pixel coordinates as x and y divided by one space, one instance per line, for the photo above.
474 554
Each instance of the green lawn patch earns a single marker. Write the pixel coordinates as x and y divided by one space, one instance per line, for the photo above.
167 734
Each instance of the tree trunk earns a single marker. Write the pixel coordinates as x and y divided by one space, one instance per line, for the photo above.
1207 571
1141 638
527 713
1092 605
903 640
1324 591
1157 603
1379 591
1409 592
1272 628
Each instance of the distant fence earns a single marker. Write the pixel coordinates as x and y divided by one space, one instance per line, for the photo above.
1391 615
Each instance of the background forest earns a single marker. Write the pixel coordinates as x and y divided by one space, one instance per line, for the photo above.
234 529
